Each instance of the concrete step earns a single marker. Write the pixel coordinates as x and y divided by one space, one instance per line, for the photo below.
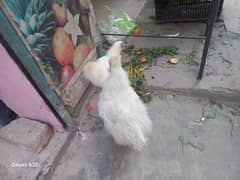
28 149
220 80
222 66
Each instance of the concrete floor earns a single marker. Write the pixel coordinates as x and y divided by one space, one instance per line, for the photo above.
231 15
193 138
182 146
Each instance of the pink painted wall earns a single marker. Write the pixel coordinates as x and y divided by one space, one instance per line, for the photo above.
19 94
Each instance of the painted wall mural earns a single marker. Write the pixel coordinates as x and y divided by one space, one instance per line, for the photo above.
62 35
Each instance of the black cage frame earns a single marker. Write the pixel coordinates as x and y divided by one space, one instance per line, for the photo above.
183 10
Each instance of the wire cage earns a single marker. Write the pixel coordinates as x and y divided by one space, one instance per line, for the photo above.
183 10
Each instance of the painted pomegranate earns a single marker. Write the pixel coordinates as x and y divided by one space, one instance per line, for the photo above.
80 54
63 47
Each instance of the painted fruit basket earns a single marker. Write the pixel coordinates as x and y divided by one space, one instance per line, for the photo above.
62 36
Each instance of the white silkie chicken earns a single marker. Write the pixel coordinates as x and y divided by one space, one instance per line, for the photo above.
124 114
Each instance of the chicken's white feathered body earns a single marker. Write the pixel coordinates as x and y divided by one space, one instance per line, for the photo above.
125 115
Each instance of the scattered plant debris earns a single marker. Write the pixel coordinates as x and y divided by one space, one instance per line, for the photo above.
139 58
147 55
224 60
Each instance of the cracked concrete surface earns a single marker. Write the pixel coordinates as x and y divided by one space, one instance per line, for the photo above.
193 139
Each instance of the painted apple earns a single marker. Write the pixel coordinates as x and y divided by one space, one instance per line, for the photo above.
63 47
67 72
80 54
60 13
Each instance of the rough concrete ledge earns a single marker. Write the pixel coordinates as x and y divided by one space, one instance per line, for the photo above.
182 79
222 95
28 134
18 163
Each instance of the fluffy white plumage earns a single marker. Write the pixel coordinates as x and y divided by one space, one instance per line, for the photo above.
97 72
124 114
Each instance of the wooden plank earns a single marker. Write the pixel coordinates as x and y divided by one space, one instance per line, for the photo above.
30 65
